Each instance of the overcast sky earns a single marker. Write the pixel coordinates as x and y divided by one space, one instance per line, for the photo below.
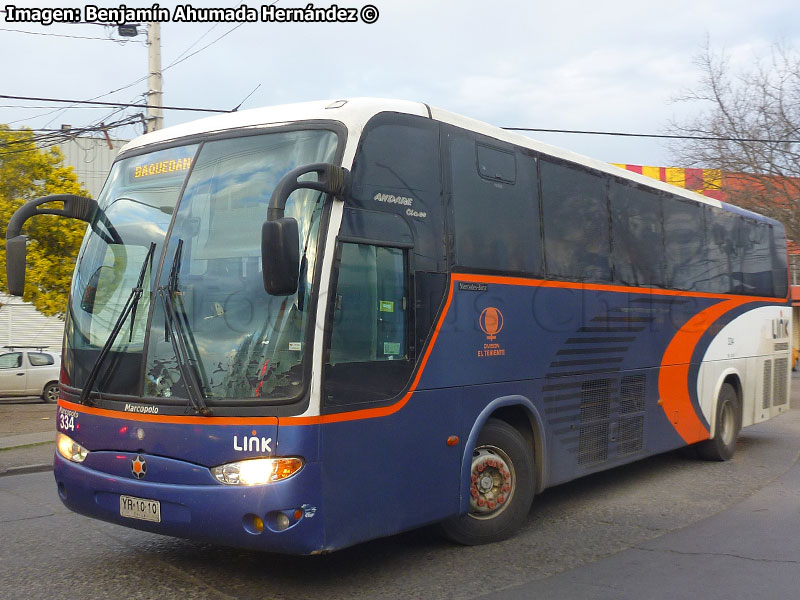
566 64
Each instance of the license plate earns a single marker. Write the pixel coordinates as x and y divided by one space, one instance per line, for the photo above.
140 508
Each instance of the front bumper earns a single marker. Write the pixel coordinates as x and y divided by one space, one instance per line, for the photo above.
195 506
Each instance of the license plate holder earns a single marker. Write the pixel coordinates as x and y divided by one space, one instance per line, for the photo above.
143 509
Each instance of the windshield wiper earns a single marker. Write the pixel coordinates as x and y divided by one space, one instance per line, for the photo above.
130 307
191 381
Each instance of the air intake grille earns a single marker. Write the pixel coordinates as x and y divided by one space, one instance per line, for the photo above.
779 382
595 400
631 433
631 397
766 400
593 444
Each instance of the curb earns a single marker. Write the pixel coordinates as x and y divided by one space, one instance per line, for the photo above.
26 469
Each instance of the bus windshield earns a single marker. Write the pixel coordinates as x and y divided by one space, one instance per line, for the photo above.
203 206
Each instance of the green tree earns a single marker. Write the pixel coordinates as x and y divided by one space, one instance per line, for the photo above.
26 173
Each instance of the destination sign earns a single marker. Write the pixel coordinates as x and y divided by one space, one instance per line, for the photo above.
162 167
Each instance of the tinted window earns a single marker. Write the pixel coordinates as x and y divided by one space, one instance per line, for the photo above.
397 170
496 223
38 359
684 245
12 360
400 155
779 258
575 223
370 313
637 236
756 273
368 359
725 251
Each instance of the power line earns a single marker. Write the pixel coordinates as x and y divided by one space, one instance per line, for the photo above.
654 135
54 137
74 37
117 104
187 57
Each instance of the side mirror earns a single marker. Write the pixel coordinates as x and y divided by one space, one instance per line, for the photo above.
280 256
330 180
75 207
16 260
280 236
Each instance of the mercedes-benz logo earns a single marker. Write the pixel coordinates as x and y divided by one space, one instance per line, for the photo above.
138 466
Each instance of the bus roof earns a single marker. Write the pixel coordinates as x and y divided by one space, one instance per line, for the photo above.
355 112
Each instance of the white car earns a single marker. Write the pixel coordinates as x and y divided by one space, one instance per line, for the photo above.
25 372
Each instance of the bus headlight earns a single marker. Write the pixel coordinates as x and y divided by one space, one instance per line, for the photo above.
70 449
256 471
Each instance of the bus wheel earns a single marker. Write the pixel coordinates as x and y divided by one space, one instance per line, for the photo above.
726 430
502 483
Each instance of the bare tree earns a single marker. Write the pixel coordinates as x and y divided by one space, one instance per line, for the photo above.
748 126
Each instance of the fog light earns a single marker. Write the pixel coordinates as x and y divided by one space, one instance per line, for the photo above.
252 524
70 449
282 522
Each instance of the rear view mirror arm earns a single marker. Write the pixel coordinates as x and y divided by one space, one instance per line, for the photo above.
75 207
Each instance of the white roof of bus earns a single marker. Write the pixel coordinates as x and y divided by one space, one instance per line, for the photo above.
355 112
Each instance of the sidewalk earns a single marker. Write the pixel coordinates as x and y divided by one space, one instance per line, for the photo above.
27 436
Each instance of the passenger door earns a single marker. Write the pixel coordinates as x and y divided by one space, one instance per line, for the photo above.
387 464
13 377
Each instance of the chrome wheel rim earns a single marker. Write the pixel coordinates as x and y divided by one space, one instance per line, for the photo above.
492 482
51 394
727 425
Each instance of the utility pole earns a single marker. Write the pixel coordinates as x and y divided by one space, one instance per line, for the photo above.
155 116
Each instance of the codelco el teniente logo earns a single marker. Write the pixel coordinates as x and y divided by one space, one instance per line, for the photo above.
491 322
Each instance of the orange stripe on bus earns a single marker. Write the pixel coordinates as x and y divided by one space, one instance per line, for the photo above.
673 377
183 420
371 413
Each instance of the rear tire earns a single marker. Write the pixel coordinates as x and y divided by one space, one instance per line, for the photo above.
503 480
50 393
727 425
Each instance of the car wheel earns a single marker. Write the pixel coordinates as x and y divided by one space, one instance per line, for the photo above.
50 393
726 429
502 484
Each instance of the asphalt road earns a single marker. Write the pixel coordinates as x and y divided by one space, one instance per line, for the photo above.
572 529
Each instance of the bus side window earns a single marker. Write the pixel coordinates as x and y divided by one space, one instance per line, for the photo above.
495 207
637 236
368 358
575 211
757 264
780 280
724 251
685 246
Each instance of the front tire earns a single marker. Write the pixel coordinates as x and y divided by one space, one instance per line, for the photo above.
50 393
727 425
502 484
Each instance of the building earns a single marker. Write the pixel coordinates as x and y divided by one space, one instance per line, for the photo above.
22 325
91 159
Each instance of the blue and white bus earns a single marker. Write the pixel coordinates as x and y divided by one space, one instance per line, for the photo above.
302 327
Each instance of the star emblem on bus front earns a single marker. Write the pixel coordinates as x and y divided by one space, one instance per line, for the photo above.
138 466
